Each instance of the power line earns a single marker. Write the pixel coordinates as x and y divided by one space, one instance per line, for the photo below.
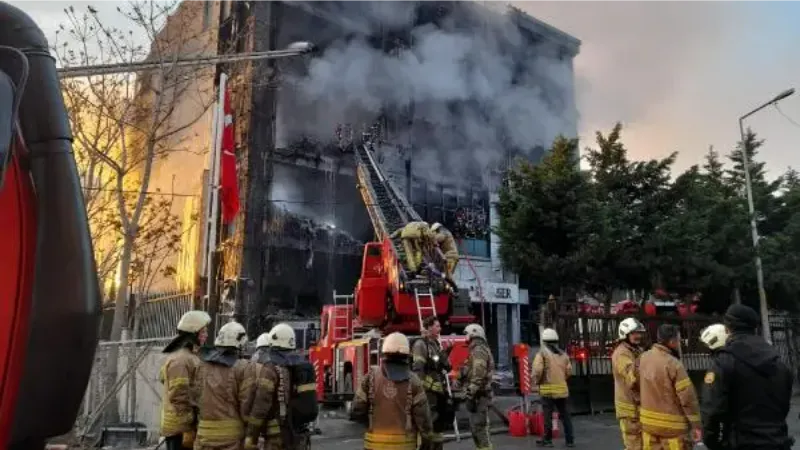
168 194
107 69
785 116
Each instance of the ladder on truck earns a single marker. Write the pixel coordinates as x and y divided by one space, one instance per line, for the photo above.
342 331
424 310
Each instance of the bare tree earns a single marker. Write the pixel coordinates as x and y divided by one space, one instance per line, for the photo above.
125 124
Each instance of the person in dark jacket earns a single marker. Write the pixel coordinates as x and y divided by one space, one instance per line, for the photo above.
747 390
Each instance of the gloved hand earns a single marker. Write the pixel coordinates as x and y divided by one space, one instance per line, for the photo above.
187 440
250 443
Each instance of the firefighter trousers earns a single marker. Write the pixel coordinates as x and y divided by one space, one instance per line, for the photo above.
652 442
413 253
479 423
434 441
631 431
549 405
174 442
450 266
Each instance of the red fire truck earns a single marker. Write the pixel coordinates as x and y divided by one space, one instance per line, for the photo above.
387 297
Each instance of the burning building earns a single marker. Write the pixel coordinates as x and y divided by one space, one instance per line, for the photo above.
453 91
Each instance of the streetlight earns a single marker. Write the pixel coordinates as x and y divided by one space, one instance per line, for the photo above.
762 293
293 49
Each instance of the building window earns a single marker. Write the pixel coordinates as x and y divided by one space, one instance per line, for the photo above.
474 247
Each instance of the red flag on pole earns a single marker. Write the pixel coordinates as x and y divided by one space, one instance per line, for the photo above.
229 183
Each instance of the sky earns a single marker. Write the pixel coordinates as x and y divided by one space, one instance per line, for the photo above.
678 75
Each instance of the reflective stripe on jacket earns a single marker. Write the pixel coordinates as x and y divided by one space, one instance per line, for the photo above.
669 405
550 372
625 366
177 406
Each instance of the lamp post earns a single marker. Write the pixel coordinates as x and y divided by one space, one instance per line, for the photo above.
762 294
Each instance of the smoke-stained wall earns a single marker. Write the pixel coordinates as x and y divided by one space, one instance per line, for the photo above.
457 88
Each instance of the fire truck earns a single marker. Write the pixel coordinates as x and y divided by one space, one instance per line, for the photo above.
387 297
49 294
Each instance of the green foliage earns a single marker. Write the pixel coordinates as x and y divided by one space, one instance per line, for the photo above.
625 224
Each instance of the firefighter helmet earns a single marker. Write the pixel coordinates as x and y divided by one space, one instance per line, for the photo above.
714 336
549 335
628 326
282 336
396 343
232 334
264 340
435 227
194 321
474 330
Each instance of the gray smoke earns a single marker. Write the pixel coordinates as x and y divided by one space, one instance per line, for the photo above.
466 94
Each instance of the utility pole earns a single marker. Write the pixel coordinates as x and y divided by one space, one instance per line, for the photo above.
762 293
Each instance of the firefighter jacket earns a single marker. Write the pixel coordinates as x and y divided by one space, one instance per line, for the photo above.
551 369
747 396
226 388
178 407
447 243
425 353
414 230
478 370
625 367
263 416
669 406
396 406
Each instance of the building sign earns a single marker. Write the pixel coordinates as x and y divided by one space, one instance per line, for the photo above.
494 292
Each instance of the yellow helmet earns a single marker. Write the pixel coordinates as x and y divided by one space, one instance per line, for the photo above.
194 321
396 343
474 330
282 336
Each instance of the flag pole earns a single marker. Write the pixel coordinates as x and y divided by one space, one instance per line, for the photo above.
213 185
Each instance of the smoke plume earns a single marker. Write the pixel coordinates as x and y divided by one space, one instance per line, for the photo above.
464 94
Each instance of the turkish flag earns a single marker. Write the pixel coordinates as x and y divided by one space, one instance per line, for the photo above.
229 182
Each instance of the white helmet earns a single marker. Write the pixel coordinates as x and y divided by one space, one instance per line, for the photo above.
474 330
396 343
232 334
714 336
549 335
194 321
628 326
436 226
282 336
264 340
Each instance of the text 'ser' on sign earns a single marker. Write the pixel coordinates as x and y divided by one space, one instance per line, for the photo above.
13 75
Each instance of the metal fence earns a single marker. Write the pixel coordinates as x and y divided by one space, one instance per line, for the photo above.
151 315
131 394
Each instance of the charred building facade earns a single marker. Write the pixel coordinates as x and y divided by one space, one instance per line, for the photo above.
453 91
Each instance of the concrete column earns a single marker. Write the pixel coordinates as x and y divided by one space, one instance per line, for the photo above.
502 335
516 325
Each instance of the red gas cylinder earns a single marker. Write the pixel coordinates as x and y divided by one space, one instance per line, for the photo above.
516 423
537 424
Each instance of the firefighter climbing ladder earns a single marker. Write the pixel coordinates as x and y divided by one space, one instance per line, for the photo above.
422 295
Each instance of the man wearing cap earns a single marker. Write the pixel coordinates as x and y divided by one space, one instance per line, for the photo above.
747 389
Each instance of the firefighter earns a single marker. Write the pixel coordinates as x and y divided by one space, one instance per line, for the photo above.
747 390
714 337
625 367
225 387
551 369
447 244
431 365
393 401
178 413
669 413
477 376
416 237
262 419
